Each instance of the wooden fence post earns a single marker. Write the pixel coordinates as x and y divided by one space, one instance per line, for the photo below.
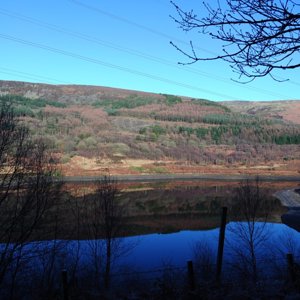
291 267
191 276
64 276
221 244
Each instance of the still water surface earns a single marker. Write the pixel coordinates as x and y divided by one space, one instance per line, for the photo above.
154 251
167 220
166 207
168 224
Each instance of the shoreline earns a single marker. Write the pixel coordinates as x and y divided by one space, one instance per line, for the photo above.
291 200
170 177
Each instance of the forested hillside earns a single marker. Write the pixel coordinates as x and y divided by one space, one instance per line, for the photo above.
103 127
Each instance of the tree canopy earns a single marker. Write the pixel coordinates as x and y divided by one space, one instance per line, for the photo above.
257 36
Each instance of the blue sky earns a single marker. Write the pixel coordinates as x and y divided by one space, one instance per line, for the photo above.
118 43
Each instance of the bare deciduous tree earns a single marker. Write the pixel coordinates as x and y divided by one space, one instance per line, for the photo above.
251 209
257 37
107 215
27 191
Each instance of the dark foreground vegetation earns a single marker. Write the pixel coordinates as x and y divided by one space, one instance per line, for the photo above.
32 206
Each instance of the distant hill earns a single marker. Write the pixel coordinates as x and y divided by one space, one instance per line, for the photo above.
71 94
92 129
283 110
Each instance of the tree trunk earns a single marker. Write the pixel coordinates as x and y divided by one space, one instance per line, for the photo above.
107 266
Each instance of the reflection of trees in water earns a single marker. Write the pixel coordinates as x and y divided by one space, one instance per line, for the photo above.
184 200
251 208
164 209
100 217
170 278
179 200
168 282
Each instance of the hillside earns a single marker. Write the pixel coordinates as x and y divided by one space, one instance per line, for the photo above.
283 110
96 129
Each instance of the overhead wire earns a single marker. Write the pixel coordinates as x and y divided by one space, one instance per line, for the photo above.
156 32
129 51
159 33
21 74
132 23
110 65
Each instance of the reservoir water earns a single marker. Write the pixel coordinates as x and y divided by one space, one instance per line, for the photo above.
167 224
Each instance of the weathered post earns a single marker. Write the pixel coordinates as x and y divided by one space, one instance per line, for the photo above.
221 244
64 275
291 267
191 276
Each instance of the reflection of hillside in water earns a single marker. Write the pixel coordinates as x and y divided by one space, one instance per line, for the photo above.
164 206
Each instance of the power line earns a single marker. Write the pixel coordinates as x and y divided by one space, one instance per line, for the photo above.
156 32
174 39
130 51
83 36
92 39
30 75
110 65
132 23
20 76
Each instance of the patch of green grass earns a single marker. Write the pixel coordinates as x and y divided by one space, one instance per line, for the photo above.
138 169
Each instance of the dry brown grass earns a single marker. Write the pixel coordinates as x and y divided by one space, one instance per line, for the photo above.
81 166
